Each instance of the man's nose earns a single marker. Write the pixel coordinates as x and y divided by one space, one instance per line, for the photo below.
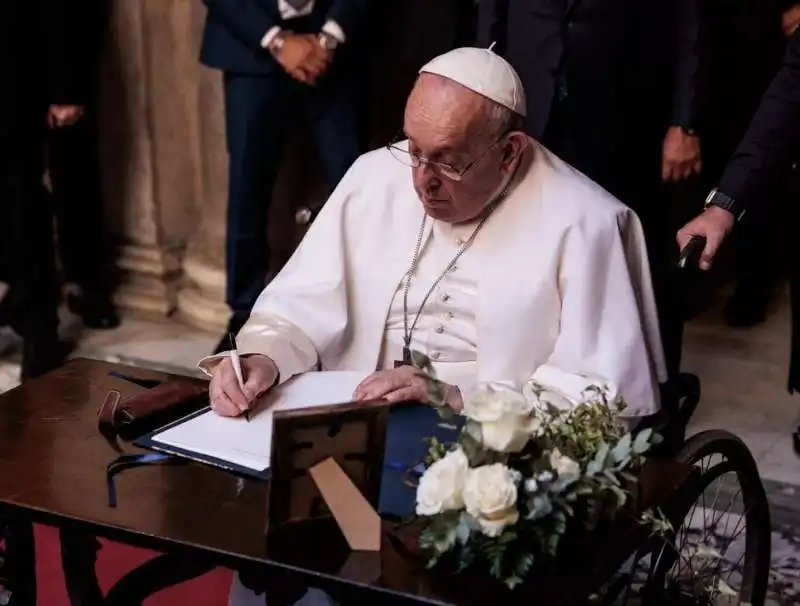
426 178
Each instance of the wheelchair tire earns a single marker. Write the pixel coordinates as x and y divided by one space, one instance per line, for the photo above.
734 458
647 581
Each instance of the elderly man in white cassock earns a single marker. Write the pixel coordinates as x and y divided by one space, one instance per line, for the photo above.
469 243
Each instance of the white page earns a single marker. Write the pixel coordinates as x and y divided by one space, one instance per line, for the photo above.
250 444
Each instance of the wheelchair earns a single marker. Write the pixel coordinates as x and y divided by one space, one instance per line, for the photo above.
699 562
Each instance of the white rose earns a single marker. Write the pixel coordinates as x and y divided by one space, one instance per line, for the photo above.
506 435
441 487
506 418
490 496
494 404
563 465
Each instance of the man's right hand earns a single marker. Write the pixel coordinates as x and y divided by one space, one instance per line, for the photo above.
227 398
790 20
303 58
713 224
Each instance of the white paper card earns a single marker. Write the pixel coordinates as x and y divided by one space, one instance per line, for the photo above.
249 445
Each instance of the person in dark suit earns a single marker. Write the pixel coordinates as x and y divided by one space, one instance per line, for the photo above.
38 63
772 141
743 43
73 166
612 88
280 58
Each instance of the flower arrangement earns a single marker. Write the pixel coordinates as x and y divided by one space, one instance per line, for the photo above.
526 465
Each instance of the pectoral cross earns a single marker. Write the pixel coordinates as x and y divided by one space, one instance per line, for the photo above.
406 361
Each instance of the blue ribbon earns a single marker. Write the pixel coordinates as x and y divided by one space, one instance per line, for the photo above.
129 461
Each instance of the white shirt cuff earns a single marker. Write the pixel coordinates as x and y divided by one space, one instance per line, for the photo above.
332 28
209 363
270 36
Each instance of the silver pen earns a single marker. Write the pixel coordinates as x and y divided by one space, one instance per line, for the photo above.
237 368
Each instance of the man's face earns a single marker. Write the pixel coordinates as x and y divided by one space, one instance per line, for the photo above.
444 127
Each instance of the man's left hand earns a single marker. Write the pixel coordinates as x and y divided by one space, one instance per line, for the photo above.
63 115
404 384
681 155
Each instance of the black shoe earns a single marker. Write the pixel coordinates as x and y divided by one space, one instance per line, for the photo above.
746 308
42 356
234 326
96 312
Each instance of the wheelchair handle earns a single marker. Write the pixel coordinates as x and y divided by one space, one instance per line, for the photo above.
690 254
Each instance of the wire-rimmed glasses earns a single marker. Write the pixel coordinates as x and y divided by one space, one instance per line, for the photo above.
448 171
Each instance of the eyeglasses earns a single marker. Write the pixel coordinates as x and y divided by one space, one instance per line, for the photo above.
448 171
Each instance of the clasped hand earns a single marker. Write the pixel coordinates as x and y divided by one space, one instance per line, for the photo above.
303 58
63 115
680 155
404 384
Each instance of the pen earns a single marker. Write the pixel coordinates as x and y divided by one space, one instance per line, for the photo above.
237 369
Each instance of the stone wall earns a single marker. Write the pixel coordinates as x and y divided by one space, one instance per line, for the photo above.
163 153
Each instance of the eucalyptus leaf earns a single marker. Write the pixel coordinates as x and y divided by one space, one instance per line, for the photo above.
602 455
463 531
642 442
622 449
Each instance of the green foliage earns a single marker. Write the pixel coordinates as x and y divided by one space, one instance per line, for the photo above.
579 472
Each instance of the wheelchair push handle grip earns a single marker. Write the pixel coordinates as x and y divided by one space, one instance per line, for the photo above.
690 254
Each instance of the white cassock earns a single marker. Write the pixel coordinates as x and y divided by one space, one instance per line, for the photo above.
555 288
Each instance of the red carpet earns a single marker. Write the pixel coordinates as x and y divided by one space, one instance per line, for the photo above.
113 562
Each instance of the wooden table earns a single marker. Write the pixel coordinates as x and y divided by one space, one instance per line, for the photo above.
53 471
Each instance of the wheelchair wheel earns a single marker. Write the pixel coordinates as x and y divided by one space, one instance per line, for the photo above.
719 551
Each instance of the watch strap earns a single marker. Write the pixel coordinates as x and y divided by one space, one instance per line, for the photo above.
327 41
725 202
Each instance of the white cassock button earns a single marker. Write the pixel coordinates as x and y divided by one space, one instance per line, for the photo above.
459 242
449 315
445 297
435 355
440 329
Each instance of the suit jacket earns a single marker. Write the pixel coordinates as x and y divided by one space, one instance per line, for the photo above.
564 295
771 143
773 138
627 68
39 59
234 30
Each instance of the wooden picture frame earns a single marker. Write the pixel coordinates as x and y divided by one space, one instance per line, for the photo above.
353 434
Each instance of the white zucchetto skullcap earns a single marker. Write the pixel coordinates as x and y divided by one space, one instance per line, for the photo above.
483 71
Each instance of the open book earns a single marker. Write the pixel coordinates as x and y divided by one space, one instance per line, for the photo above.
240 443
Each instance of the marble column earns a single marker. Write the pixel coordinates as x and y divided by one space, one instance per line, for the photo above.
165 161
201 300
149 145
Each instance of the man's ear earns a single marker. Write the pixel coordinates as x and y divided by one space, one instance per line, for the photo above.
515 145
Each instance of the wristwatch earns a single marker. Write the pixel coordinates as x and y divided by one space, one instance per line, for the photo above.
327 42
725 202
276 45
